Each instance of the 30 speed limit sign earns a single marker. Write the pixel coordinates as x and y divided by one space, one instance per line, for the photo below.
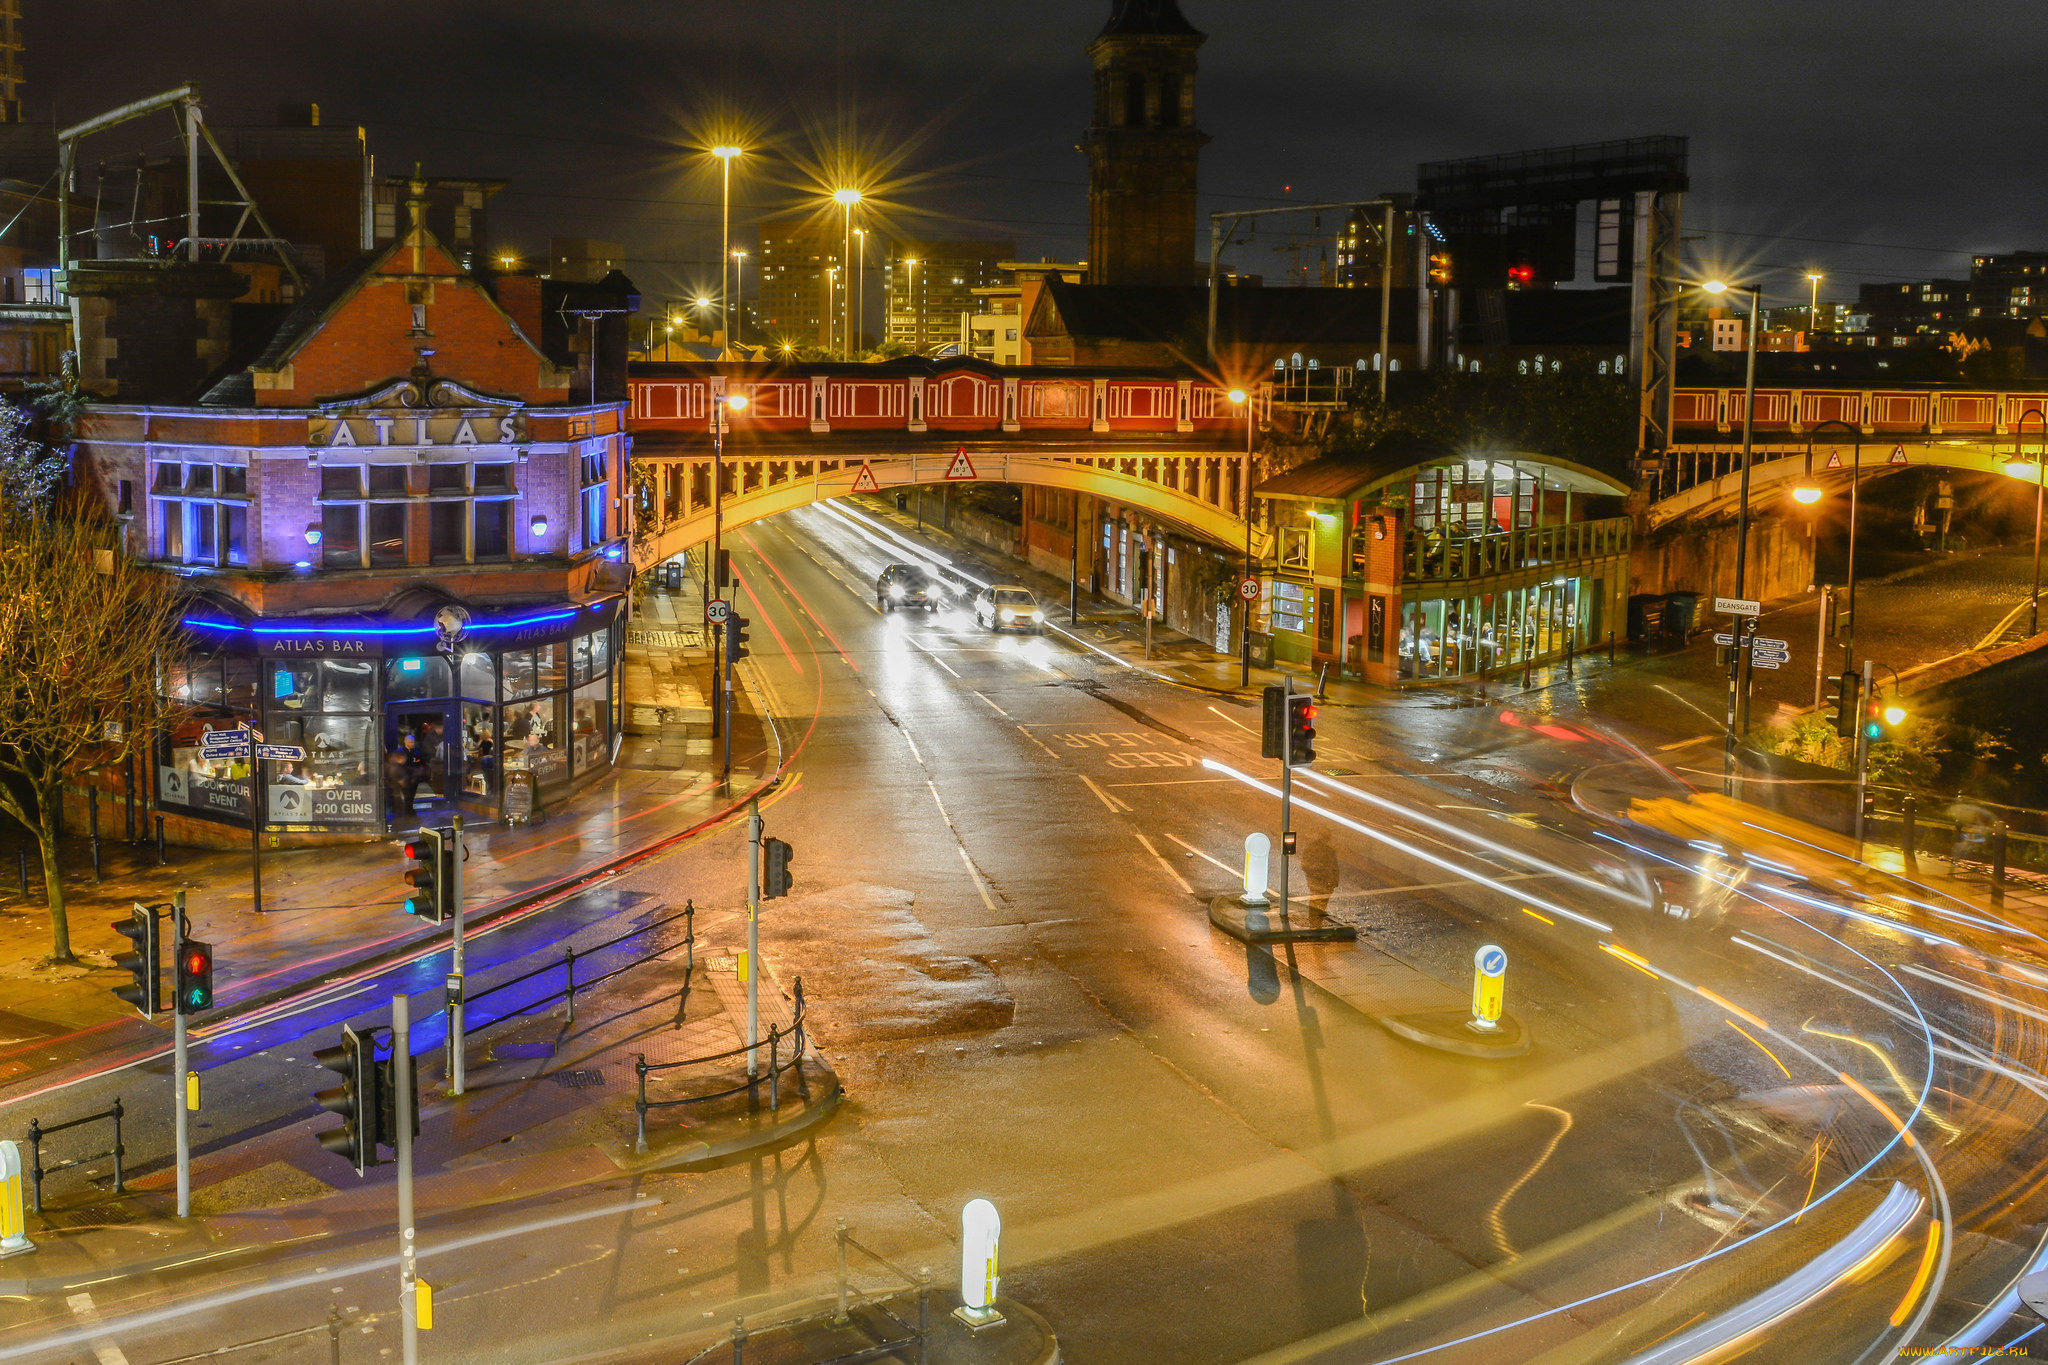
715 612
1248 589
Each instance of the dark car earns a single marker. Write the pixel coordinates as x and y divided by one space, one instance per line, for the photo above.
906 585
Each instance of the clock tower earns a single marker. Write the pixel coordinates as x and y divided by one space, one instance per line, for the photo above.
1143 147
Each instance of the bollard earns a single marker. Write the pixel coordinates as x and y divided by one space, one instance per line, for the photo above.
92 821
1998 863
1571 653
1907 832
981 1231
1258 853
13 1222
569 962
333 1335
119 1150
640 1106
159 841
1489 987
24 874
35 1161
924 1311
739 1341
1610 646
1527 665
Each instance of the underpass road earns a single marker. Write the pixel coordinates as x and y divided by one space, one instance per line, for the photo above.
1199 1154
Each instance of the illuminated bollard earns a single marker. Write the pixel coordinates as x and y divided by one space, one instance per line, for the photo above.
980 1230
1258 852
13 1221
1489 987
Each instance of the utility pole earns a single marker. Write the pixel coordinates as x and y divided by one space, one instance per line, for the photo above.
1286 786
1863 746
456 1039
401 1108
180 1094
753 939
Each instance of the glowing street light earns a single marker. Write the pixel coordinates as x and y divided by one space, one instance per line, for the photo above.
739 263
846 199
725 154
1806 495
1894 714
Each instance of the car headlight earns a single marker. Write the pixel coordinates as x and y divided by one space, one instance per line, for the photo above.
1008 615
1037 615
896 591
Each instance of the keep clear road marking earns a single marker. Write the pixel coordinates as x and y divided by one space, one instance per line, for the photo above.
1035 740
1116 807
1228 721
82 1307
1165 864
1228 870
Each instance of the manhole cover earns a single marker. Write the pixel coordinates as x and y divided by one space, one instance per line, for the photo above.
579 1080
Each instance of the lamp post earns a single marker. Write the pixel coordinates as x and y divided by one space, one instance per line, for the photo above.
1813 308
1244 634
1738 660
739 264
831 306
846 199
1855 493
721 405
725 155
2040 466
916 313
860 286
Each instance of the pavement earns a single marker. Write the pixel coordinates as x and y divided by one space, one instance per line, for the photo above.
331 910
549 1106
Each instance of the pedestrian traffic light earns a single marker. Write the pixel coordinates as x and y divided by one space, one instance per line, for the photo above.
144 961
194 977
775 880
355 1099
1842 703
1301 731
427 876
1273 730
736 638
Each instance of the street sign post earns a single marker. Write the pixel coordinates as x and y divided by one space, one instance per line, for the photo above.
224 743
1248 589
1737 606
716 611
1765 642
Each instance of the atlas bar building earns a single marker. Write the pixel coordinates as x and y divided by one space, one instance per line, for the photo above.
402 518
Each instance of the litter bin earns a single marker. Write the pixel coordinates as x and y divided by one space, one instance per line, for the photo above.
1681 615
1645 617
1260 643
672 575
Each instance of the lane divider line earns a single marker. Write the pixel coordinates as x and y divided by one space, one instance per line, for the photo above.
1161 860
1116 807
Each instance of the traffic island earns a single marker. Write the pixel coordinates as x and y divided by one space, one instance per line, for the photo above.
1456 1031
869 1327
1261 924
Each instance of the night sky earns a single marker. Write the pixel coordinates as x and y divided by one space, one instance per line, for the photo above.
1876 140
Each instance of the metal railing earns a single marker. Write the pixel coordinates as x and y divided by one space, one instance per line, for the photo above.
567 964
36 1134
1432 558
332 1327
776 1066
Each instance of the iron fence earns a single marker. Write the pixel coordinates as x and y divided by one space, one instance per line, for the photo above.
776 1066
36 1134
567 964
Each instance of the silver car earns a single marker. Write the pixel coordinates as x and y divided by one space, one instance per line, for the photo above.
1006 606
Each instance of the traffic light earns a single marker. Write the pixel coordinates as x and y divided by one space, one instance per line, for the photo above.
194 977
1301 730
1873 716
1442 273
428 877
1273 730
387 1101
724 570
355 1099
775 879
736 637
144 961
1843 703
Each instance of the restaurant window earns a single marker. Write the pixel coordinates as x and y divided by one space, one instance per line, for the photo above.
341 481
416 679
493 530
234 480
448 478
388 481
480 750
534 739
551 667
516 668
327 686
477 676
494 478
387 533
341 536
447 528
590 726
1290 606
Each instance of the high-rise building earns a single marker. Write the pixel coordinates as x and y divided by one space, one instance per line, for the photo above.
794 302
1143 146
583 260
1357 257
930 286
2011 284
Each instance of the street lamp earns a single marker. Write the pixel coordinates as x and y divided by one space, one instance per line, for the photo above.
739 264
725 155
860 286
1813 308
1240 398
721 404
916 313
1738 657
846 199
2035 472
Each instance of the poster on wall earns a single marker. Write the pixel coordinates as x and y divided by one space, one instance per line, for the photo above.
202 795
296 805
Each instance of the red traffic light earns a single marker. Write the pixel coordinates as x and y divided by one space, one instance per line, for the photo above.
192 962
416 849
1308 712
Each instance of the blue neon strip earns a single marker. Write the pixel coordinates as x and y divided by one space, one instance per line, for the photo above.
565 615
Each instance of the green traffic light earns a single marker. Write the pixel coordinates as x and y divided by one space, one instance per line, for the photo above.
1872 730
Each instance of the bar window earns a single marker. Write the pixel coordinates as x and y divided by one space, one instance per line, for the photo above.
493 530
448 478
170 477
341 537
447 527
388 481
234 534
387 534
341 481
494 478
198 478
234 480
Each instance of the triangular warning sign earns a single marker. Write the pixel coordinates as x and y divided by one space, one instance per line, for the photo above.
1835 460
1898 455
866 482
962 467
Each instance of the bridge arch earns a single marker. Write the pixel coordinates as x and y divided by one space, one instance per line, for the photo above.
1707 480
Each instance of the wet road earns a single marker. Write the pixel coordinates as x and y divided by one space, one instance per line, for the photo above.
1739 1085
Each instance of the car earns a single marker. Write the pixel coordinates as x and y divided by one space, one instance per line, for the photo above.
906 585
1006 606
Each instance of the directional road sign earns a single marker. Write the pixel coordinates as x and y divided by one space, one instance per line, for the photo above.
1724 639
288 752
1765 642
1770 656
1755 662
717 610
1737 606
224 744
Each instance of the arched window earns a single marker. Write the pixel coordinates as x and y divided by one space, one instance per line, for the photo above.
1296 362
1361 363
1169 101
1134 101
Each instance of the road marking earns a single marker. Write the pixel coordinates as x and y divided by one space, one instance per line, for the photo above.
979 885
929 654
1683 702
1116 807
1531 913
1228 721
1683 743
913 747
1035 740
1227 869
761 612
107 1353
998 710
1170 782
1165 864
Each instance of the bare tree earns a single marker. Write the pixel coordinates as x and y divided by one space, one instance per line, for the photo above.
82 630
